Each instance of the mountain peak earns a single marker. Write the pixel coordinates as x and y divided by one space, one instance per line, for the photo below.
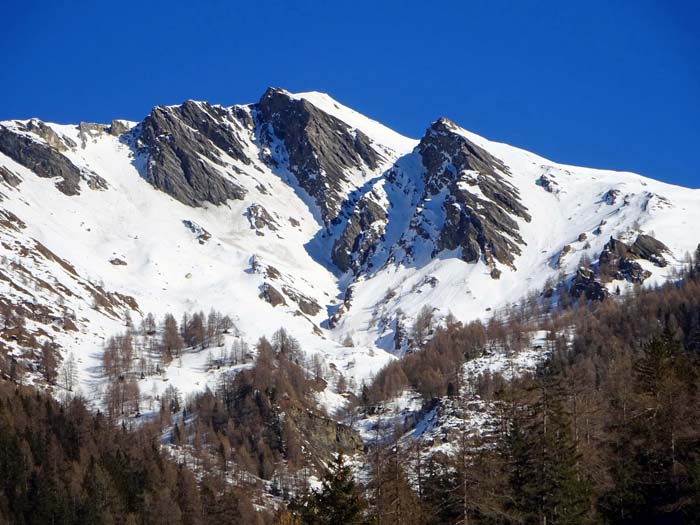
300 211
443 122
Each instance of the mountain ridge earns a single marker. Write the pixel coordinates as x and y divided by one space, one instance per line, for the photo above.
306 214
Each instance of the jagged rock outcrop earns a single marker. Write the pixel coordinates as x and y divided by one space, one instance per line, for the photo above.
42 159
362 232
610 196
614 250
585 284
319 148
324 436
335 318
52 138
185 145
617 260
260 218
118 127
646 247
480 204
9 178
632 271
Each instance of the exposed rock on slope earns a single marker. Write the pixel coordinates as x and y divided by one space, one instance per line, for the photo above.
270 294
259 218
202 234
646 247
617 259
585 284
47 133
362 232
9 178
325 437
480 204
320 149
43 159
187 147
617 262
118 127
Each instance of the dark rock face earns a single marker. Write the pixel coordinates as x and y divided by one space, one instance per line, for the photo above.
358 241
646 247
319 147
42 159
585 284
614 251
617 260
95 182
480 205
632 271
180 140
334 319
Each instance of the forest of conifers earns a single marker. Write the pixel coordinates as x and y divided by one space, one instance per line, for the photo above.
605 431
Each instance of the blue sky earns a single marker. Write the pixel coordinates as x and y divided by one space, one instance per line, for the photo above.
597 83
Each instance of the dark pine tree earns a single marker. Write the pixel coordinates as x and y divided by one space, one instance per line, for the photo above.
339 500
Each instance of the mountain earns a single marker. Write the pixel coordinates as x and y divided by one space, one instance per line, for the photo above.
297 211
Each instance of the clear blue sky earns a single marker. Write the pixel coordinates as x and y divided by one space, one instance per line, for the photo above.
610 84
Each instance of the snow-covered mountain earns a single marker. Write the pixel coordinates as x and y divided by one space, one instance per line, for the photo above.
297 211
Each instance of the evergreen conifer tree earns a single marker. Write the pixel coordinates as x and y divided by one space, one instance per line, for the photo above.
338 501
